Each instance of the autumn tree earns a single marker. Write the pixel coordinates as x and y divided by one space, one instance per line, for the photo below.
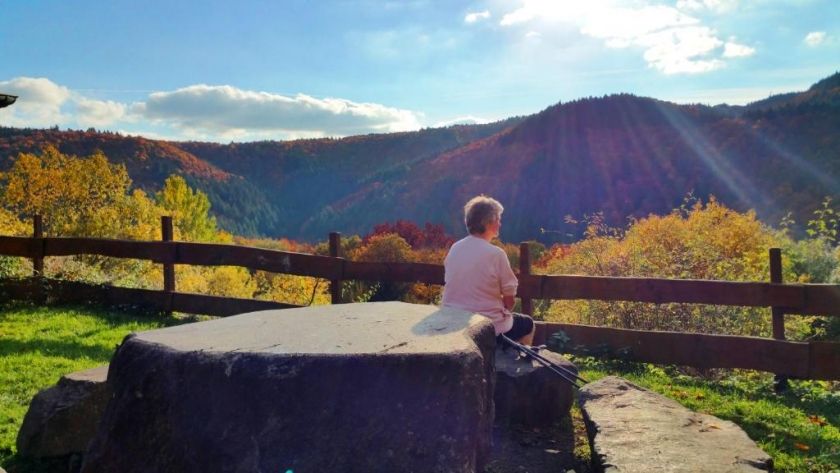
76 196
190 210
430 236
391 248
10 225
85 196
702 241
91 197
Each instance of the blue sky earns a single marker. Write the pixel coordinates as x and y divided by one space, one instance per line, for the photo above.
240 71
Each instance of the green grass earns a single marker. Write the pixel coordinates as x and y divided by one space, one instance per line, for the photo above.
39 345
799 429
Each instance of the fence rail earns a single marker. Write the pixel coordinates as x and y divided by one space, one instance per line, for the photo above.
809 360
820 299
45 290
812 360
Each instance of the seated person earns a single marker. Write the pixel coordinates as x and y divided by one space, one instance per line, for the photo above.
478 276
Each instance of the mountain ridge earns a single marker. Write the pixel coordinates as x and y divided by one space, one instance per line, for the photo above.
623 155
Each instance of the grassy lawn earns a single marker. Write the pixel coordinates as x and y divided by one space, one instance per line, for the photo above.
800 429
38 346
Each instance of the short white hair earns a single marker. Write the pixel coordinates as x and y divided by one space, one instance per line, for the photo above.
481 211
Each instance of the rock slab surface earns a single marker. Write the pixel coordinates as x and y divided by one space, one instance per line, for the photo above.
62 420
351 388
527 393
634 430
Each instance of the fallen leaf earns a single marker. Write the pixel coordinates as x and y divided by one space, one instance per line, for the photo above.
801 446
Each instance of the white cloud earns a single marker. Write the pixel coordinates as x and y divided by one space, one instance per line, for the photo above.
815 38
39 102
622 27
43 103
467 120
98 112
476 16
228 110
218 113
673 41
681 50
733 49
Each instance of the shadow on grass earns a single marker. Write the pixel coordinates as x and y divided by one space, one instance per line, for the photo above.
56 348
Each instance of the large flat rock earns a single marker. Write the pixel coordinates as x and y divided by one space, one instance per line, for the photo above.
353 388
634 430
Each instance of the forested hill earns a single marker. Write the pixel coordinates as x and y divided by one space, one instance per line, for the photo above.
259 188
621 154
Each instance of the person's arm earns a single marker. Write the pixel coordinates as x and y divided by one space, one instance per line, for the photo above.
507 280
508 301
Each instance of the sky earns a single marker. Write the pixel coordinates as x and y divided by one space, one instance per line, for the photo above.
255 70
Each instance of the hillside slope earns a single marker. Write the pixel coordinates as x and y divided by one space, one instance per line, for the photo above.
627 156
622 155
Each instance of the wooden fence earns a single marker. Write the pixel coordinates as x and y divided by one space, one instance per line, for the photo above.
813 360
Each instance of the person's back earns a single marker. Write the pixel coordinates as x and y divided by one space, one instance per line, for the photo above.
477 273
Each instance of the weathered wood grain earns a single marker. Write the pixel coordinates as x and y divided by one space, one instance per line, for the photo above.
796 359
397 272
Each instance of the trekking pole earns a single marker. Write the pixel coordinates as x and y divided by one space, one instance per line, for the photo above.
566 374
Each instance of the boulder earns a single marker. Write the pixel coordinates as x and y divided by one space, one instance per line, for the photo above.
62 420
351 387
633 429
527 393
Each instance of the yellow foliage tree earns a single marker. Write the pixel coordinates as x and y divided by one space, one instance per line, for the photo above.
190 211
290 289
90 197
76 196
10 225
707 241
385 247
226 281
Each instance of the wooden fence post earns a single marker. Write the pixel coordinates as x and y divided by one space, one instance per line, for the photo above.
167 234
525 270
780 382
335 251
38 259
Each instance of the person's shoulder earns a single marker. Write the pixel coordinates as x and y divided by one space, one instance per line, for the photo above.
460 243
492 247
498 251
464 240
